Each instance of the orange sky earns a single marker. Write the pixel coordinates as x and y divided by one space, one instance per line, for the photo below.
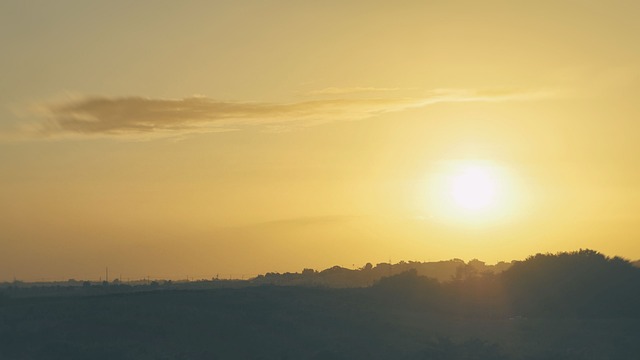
195 138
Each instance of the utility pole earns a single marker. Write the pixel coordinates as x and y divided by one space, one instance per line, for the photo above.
107 274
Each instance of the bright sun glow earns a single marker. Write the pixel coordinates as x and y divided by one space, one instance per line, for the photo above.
471 191
474 188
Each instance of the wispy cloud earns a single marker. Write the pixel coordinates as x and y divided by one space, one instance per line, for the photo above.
350 90
145 117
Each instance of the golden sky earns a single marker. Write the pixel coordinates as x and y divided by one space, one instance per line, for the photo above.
175 138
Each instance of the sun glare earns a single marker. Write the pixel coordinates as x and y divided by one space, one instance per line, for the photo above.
474 188
470 191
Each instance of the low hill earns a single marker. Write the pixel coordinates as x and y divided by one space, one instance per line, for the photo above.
339 277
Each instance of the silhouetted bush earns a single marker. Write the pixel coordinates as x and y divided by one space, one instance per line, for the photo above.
582 283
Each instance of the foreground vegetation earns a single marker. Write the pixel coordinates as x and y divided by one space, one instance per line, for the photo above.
579 305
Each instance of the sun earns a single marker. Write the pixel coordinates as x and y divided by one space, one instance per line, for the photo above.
470 191
474 188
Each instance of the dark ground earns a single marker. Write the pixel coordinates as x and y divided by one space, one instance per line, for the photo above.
579 306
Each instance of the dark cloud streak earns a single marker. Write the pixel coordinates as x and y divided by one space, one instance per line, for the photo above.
144 116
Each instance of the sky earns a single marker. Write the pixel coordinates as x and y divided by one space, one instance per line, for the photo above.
231 138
